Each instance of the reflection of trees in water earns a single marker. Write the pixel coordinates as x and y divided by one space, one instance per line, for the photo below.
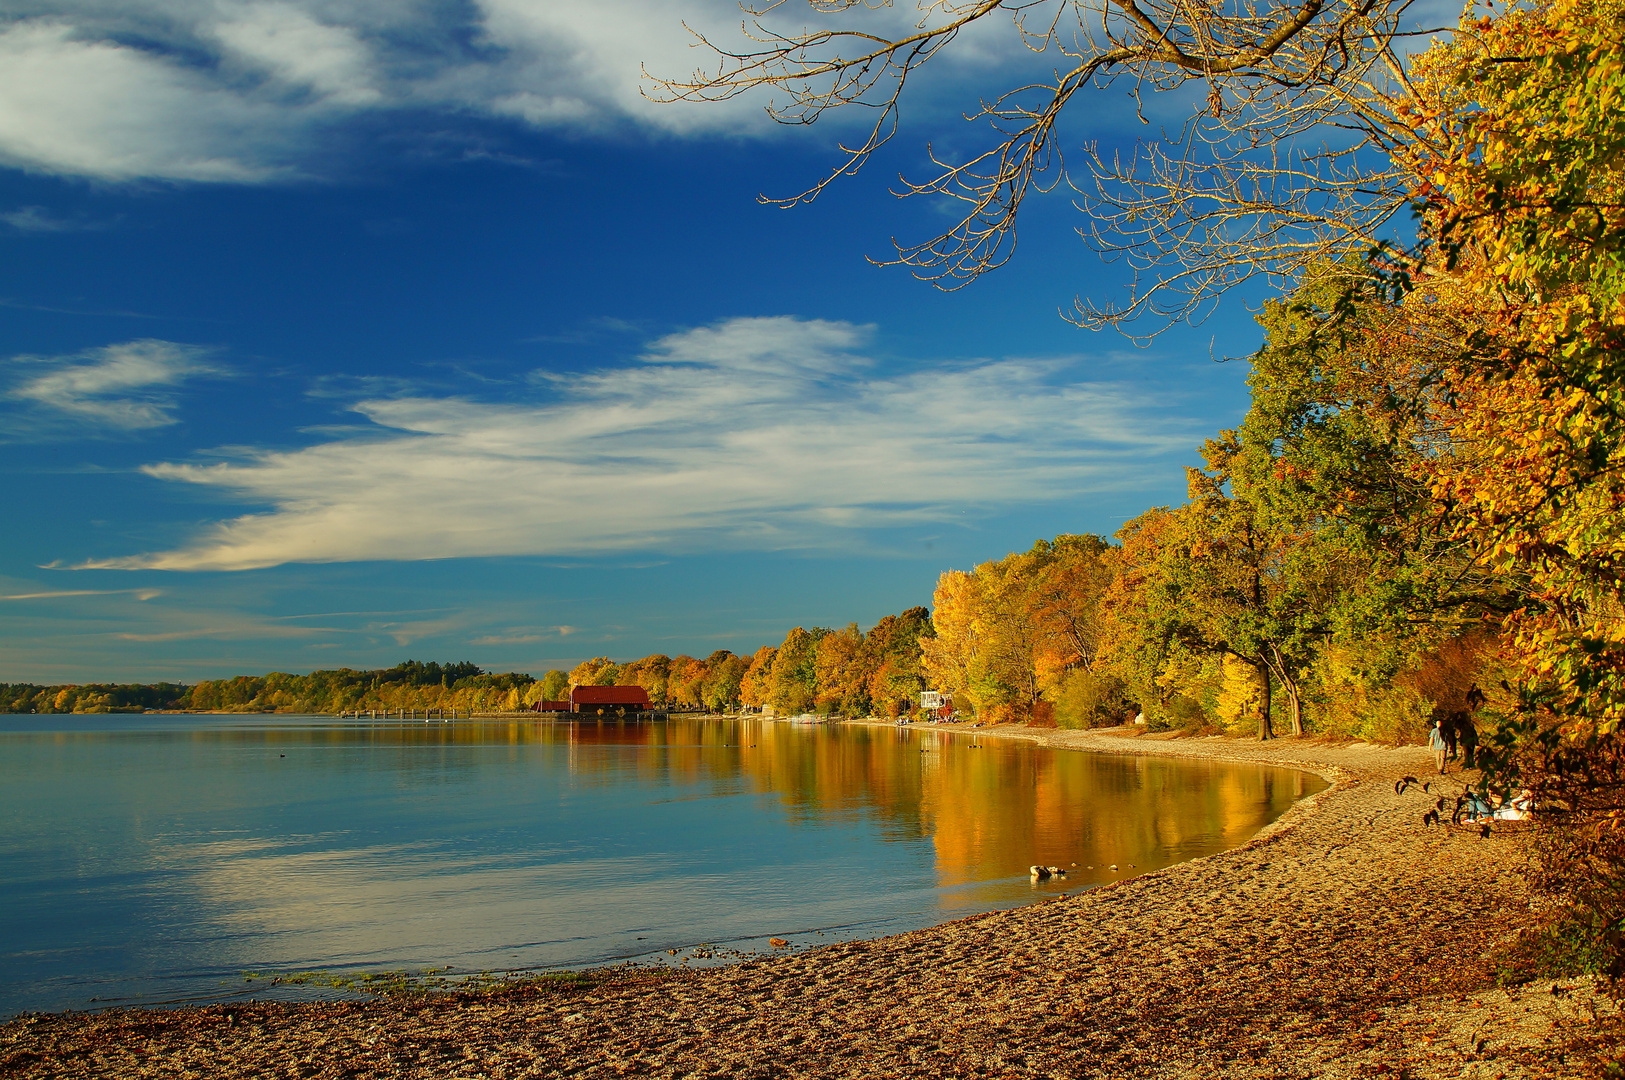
1001 806
815 772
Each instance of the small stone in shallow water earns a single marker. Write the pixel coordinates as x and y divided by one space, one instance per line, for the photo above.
778 943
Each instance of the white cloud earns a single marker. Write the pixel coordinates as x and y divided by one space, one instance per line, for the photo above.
97 108
238 90
768 433
123 387
297 51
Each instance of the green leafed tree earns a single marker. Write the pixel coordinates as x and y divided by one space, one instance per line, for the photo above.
795 671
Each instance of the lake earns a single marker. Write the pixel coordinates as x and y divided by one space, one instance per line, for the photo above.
157 859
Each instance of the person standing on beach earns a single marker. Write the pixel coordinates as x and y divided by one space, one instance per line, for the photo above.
1469 741
1436 741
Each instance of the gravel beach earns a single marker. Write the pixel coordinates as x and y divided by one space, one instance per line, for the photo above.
1346 940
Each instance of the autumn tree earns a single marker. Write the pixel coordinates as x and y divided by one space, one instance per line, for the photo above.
756 686
1520 180
554 686
1008 632
1526 221
651 673
891 658
794 678
685 681
1353 420
840 672
952 660
724 672
599 671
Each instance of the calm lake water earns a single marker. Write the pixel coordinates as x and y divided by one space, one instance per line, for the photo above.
157 859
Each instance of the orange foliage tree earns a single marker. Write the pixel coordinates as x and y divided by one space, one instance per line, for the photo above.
1009 632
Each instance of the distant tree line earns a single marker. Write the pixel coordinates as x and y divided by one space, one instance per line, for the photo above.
92 697
843 671
412 684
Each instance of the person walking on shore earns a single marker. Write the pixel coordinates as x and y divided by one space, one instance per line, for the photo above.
1436 741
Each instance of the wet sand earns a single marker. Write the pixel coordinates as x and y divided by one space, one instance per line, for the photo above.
1346 940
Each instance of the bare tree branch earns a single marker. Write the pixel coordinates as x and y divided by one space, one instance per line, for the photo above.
1283 163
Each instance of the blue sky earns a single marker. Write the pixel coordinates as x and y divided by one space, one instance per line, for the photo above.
340 333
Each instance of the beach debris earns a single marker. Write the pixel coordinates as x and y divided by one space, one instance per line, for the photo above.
1039 873
778 943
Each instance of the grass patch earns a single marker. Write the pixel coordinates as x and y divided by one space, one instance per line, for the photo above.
433 981
1568 945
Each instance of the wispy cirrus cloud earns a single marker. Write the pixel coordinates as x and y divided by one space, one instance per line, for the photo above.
520 637
37 219
125 387
754 433
57 594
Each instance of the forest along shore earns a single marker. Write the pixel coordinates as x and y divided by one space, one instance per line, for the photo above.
1345 940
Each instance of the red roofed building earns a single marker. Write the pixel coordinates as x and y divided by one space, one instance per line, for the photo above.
590 699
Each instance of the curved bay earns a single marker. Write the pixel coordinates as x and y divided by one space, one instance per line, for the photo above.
157 858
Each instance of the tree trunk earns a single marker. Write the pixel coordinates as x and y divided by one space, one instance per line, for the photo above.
1288 683
1264 732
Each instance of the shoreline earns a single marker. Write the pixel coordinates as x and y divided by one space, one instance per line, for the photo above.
1343 939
